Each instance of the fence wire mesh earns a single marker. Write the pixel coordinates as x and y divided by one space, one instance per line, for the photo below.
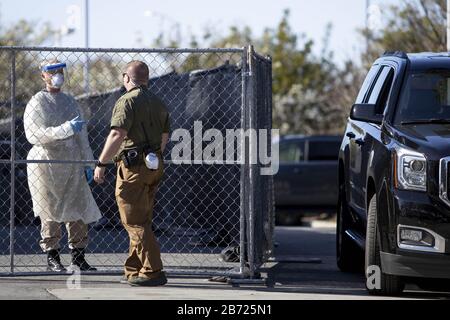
198 210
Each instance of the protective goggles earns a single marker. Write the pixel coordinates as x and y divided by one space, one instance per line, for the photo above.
53 68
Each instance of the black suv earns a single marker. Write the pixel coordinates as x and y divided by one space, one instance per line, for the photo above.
394 202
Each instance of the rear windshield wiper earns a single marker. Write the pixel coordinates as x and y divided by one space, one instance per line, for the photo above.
420 121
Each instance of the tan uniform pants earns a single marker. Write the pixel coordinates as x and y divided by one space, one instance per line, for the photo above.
135 195
51 234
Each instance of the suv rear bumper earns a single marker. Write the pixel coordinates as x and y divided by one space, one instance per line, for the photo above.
423 265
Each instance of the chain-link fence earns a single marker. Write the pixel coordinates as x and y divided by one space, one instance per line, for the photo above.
201 207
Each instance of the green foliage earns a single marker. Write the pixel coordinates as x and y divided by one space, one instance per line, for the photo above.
104 72
24 33
301 81
413 26
21 33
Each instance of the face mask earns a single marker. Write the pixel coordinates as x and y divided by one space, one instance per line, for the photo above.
57 80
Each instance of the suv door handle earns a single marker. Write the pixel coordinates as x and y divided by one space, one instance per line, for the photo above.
359 142
351 135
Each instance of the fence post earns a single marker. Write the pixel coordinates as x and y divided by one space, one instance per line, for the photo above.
271 204
13 158
251 192
243 164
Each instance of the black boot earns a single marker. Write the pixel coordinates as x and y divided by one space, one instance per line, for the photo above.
79 261
54 261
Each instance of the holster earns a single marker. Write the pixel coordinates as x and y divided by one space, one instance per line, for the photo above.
131 157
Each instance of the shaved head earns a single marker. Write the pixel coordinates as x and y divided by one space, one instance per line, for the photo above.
138 72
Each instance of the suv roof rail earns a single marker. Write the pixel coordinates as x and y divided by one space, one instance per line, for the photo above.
399 54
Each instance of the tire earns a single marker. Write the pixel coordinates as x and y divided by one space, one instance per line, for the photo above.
390 285
349 257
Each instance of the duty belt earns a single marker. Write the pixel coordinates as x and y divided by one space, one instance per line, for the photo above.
134 156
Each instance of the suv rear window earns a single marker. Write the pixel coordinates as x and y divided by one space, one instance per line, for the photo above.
426 95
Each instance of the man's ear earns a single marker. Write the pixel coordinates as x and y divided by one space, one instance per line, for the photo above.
128 77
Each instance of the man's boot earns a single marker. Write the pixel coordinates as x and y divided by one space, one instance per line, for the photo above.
54 261
79 261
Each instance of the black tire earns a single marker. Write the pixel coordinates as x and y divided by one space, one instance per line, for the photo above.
349 257
390 285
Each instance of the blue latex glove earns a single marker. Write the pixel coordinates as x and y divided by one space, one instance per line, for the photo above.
89 174
77 124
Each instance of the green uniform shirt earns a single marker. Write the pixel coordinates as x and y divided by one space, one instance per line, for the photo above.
136 109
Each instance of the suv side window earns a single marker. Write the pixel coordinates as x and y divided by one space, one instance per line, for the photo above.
323 150
380 90
292 151
366 84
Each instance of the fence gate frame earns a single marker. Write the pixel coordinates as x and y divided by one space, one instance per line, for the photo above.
252 257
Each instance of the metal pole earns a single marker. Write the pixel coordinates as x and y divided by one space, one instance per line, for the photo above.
13 158
252 166
448 25
367 25
243 166
86 45
271 202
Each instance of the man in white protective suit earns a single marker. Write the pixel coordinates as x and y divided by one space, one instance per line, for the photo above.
55 126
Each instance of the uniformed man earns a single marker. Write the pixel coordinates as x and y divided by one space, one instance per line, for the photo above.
139 127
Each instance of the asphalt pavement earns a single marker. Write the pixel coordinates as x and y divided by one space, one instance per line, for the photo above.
304 268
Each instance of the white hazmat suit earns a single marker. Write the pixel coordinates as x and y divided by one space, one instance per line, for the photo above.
60 192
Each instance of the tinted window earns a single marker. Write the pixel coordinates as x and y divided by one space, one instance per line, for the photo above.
425 96
291 151
366 84
323 150
382 85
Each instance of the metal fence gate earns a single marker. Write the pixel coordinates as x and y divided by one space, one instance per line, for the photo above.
201 208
